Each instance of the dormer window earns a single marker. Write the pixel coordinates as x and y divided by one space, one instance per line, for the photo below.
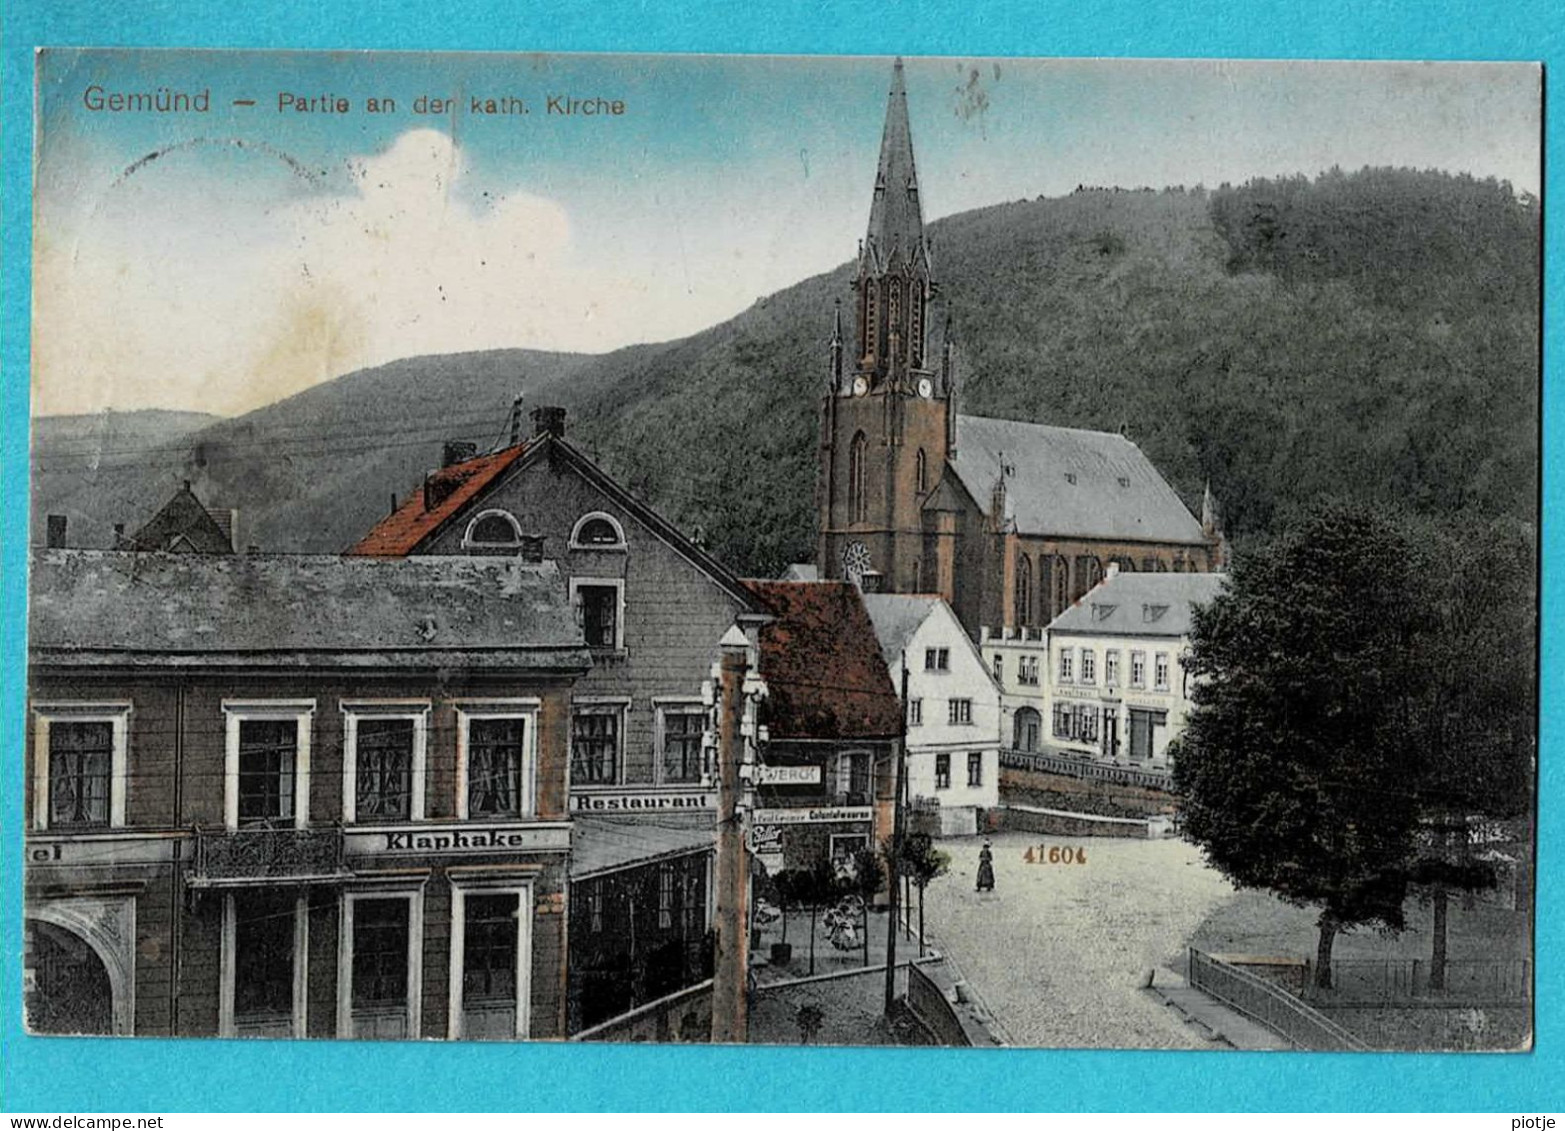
597 531
1152 613
1101 612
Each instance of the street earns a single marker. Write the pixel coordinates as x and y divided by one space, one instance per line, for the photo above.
1059 951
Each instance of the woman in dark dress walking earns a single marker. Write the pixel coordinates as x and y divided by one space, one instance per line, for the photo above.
985 868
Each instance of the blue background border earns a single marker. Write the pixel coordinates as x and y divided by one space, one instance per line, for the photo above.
147 1075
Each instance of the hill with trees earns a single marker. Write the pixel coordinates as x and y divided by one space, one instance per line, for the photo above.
1370 335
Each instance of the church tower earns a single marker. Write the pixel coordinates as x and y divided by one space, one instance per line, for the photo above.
886 410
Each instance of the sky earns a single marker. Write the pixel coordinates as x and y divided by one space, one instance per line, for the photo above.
218 261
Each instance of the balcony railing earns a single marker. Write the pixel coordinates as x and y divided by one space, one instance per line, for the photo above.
1042 762
238 856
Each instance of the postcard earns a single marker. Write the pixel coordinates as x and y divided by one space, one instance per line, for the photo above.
854 551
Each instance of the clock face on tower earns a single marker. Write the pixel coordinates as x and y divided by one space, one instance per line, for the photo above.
855 562
925 387
860 386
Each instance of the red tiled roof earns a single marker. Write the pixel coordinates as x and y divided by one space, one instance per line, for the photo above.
399 534
822 664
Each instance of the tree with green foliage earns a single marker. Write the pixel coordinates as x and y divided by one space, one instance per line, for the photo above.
1477 720
1298 763
920 861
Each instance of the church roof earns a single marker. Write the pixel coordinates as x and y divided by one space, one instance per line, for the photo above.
896 218
1140 604
1070 482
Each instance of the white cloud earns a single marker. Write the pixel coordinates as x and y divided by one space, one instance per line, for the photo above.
181 288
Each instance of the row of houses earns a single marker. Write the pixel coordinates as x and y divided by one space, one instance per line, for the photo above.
458 782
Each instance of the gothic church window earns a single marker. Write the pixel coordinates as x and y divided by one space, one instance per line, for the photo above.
858 504
921 464
1023 589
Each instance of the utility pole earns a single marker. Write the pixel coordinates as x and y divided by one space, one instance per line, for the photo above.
731 966
894 864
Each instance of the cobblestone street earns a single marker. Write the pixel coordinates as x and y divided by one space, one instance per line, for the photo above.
1059 952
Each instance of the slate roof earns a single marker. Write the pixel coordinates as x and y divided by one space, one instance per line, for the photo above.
183 518
1117 492
897 617
1126 603
606 844
822 664
100 607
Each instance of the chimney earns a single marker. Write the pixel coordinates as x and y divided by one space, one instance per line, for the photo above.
549 419
1112 571
457 451
516 421
54 539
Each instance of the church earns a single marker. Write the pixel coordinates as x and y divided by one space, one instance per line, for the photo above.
1008 521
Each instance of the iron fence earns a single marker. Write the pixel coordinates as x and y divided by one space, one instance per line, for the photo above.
1266 1004
1040 761
1393 981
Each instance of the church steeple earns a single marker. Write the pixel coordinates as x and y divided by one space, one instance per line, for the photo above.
893 274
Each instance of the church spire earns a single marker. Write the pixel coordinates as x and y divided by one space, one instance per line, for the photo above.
893 280
896 217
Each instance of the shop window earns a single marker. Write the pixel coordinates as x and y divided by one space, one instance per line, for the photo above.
383 965
490 956
262 964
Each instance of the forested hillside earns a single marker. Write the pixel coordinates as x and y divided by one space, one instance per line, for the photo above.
1372 335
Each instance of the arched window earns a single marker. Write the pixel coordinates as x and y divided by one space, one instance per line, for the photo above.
597 531
858 504
1023 589
1060 586
494 528
916 317
921 464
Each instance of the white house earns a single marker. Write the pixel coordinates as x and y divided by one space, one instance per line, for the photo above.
1114 685
953 707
